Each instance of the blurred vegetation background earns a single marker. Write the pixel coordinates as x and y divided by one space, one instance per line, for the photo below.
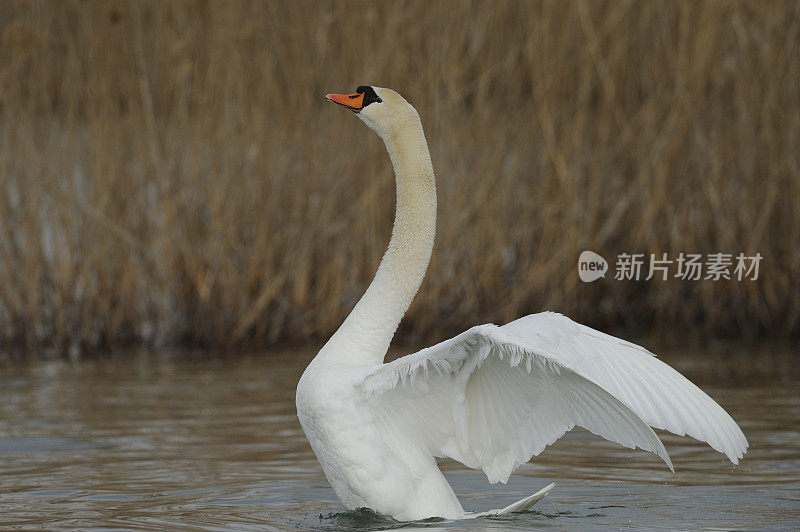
170 174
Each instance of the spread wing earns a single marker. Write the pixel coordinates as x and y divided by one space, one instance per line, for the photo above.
493 397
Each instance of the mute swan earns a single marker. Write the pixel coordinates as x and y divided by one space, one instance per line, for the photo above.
492 397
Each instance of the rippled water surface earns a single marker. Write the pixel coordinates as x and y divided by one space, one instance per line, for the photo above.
167 441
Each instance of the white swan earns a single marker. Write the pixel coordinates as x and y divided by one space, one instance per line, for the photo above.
492 397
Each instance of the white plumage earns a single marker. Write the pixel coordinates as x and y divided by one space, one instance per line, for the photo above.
492 397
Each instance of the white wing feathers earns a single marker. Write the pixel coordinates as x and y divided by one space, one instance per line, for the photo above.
493 397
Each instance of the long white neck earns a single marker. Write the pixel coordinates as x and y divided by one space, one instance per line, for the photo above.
364 337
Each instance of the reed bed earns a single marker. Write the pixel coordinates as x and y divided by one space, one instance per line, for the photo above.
170 174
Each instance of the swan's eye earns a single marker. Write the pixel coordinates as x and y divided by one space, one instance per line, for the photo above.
370 96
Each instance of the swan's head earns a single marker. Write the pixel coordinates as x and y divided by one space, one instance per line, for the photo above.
383 110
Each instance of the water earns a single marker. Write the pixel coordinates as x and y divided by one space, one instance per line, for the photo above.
144 442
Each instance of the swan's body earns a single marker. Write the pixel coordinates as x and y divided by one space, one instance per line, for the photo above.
492 397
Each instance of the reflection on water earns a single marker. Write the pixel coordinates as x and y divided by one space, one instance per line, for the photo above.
164 441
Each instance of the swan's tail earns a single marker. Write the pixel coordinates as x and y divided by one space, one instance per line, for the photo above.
521 505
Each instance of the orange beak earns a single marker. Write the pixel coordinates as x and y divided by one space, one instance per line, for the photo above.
354 102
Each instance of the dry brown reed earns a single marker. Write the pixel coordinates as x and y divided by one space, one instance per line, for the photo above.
169 172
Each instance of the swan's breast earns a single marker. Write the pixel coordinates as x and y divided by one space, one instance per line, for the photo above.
342 433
